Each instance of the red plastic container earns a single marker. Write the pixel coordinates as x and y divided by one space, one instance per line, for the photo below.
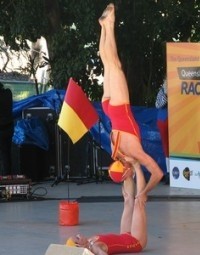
68 213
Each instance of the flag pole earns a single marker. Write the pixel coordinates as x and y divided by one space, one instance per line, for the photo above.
68 169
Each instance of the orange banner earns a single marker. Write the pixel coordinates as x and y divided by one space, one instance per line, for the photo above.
183 79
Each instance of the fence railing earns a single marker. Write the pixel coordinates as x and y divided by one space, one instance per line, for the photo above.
23 89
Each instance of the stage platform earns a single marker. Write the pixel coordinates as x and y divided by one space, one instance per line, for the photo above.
30 226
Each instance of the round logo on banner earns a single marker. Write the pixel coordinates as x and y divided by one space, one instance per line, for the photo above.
186 173
175 172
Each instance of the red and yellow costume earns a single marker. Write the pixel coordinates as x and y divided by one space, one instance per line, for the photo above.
122 243
122 120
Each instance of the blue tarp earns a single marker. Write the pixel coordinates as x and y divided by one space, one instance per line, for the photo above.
31 131
53 99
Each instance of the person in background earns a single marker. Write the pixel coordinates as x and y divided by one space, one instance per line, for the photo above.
6 130
162 124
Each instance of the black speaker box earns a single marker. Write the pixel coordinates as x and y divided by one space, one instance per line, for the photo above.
82 159
35 162
76 157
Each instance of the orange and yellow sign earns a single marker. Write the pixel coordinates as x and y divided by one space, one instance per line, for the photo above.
183 78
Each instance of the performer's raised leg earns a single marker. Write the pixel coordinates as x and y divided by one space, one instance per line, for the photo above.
134 215
108 50
106 85
128 191
139 220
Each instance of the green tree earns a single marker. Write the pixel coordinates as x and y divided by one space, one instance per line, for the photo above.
72 32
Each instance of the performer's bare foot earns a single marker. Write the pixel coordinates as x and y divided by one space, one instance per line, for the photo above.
108 14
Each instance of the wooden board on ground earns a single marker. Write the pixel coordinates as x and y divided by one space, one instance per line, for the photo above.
58 249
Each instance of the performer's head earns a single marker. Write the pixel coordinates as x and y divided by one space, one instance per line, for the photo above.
77 240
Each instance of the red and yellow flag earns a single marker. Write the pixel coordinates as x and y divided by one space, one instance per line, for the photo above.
77 115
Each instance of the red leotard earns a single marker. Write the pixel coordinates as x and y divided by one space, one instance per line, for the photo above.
122 243
105 104
121 118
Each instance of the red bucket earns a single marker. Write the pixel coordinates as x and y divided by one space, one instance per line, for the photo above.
68 213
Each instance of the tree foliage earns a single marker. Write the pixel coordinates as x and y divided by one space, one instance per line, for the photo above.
72 32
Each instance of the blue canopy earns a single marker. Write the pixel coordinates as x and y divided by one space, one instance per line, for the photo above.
53 99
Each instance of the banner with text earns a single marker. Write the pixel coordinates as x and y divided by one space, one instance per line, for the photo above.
183 73
183 78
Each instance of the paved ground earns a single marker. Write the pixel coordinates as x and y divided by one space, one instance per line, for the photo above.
29 227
